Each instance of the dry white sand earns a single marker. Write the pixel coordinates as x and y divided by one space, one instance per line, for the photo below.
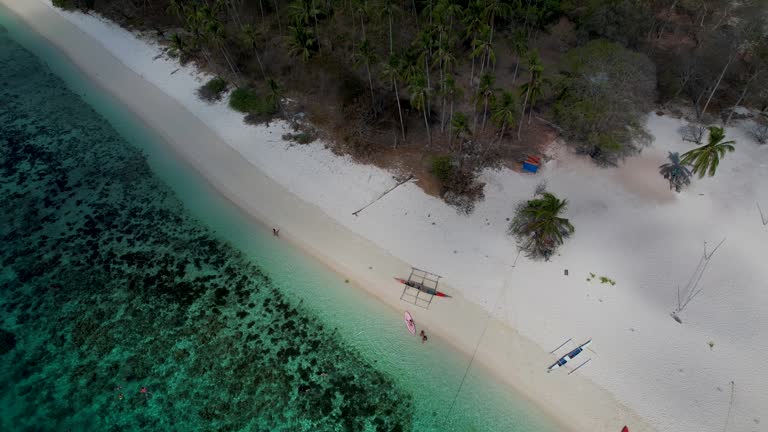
630 228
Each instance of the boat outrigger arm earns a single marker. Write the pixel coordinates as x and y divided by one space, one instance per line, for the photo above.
570 356
422 288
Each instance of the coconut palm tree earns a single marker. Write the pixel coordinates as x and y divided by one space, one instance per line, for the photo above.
492 10
306 11
389 9
520 48
179 47
504 112
391 71
300 42
678 174
217 35
539 227
474 24
420 91
486 93
706 158
176 8
251 39
483 47
452 91
459 129
534 84
275 96
366 56
445 58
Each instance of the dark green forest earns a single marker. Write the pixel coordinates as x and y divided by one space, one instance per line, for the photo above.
444 88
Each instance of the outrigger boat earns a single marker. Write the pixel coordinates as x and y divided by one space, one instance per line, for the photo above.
570 356
421 287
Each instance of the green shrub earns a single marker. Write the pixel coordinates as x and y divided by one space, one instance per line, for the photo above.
64 4
212 90
248 101
459 186
442 168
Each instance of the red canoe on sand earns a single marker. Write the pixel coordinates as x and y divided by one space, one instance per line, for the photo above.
422 288
625 429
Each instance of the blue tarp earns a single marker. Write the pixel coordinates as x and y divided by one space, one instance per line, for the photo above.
530 167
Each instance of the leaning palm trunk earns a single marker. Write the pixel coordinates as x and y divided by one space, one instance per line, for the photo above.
741 98
261 65
485 110
525 101
370 81
229 62
717 84
429 133
399 110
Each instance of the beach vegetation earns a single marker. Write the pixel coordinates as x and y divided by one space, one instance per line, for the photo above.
386 80
678 175
213 90
459 186
539 225
706 159
64 4
533 88
249 101
760 130
603 95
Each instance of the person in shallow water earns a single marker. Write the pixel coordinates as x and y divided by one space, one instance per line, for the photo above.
423 336
275 232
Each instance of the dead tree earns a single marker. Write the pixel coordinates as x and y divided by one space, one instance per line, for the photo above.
692 288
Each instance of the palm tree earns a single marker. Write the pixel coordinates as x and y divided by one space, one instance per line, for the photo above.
275 96
444 56
486 93
473 25
389 9
305 11
179 47
493 9
251 40
678 174
300 42
420 91
483 48
362 8
534 84
217 35
504 111
391 72
452 91
706 158
459 128
176 7
538 226
520 48
365 55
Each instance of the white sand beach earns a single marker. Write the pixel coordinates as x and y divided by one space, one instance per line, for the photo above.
648 371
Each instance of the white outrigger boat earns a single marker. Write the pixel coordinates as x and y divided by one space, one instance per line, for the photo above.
570 356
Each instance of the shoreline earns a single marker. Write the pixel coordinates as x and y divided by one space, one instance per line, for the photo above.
435 320
630 227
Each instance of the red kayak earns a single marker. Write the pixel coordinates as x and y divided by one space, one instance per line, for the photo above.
422 288
625 429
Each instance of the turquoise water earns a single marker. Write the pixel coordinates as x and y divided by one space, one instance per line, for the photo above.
121 271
